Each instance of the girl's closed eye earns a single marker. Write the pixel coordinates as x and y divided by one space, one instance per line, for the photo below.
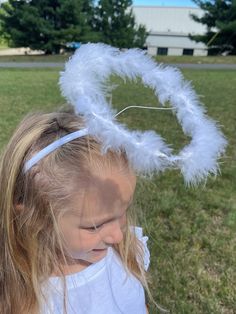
93 229
98 227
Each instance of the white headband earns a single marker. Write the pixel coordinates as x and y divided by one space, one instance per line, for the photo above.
54 145
82 83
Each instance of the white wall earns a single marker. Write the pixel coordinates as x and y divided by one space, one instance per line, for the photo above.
169 19
169 27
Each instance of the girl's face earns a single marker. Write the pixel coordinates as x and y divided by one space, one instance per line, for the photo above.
98 216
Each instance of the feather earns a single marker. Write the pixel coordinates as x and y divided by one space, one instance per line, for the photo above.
83 84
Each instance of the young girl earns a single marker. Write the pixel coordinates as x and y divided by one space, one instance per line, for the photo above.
68 240
67 217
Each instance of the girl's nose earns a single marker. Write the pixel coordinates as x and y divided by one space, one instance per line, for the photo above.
113 234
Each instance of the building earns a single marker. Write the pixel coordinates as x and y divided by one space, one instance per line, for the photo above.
169 28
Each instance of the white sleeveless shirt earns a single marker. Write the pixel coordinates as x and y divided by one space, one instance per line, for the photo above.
101 288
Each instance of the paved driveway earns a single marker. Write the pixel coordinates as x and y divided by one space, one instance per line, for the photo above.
61 65
31 64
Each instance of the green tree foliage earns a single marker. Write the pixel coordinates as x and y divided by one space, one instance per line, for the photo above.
47 24
114 19
220 20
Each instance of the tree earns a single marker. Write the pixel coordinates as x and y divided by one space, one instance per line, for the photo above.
47 24
220 19
114 19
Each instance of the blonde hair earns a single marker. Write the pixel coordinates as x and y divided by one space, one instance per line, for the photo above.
29 237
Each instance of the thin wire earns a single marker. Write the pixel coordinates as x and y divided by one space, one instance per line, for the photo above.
142 107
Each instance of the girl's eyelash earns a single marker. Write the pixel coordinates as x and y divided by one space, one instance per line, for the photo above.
93 228
96 227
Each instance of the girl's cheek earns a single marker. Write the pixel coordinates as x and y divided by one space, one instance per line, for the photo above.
81 246
86 241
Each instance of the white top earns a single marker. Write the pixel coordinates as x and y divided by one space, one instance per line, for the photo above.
101 288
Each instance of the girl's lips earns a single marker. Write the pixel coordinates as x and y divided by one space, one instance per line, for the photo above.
98 250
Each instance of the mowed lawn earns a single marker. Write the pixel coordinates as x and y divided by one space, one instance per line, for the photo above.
192 231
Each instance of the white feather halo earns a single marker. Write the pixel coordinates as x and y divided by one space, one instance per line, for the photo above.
82 83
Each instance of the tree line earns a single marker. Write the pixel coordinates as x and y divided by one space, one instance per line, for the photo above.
49 25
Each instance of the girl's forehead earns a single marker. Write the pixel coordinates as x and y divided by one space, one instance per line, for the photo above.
104 191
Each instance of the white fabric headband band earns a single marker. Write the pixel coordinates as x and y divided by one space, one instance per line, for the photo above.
54 145
82 83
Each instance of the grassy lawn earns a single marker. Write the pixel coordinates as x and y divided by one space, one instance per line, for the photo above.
165 59
196 59
191 231
2 45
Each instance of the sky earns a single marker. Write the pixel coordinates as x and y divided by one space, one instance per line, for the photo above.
183 3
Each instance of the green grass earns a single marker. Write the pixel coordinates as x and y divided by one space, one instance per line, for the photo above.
3 45
165 59
191 231
197 59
